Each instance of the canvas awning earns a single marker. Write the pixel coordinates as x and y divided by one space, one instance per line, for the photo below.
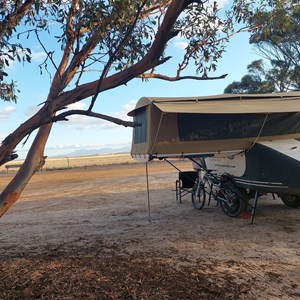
225 104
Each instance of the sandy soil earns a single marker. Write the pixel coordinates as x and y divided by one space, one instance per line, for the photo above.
87 234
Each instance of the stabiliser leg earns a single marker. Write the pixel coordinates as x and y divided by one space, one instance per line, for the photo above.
254 207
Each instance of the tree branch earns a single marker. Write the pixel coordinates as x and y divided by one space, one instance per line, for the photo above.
60 79
149 61
11 21
63 117
177 78
114 54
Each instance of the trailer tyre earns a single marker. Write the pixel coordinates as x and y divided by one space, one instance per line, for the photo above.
291 200
232 199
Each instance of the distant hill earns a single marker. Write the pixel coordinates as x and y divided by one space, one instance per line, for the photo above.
88 152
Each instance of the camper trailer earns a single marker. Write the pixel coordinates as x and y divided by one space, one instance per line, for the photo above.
251 138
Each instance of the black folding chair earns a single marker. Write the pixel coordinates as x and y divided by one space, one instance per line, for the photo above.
185 183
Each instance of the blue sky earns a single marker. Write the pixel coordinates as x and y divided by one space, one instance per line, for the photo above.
89 133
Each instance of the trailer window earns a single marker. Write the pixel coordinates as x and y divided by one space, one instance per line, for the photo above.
140 132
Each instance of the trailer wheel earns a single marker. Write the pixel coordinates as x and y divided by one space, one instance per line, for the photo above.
232 199
291 200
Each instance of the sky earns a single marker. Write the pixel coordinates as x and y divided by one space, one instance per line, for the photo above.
90 133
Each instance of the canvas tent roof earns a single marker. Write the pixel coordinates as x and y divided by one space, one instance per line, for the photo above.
226 103
186 126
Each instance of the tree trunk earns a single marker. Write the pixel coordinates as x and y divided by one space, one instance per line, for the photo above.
33 162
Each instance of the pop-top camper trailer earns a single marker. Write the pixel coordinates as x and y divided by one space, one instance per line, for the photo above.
251 137
188 126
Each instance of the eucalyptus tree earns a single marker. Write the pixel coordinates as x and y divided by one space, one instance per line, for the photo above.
278 38
277 76
254 82
121 40
275 34
11 14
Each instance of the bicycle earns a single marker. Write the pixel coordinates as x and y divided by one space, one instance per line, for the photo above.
221 189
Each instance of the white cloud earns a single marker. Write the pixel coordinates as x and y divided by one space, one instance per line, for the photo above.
125 110
77 105
81 122
6 112
4 115
129 106
86 146
38 56
35 56
3 135
90 123
31 110
180 43
222 3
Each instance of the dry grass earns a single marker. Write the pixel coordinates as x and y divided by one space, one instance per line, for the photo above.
101 272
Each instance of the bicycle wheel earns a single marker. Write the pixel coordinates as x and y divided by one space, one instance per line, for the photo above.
231 199
198 195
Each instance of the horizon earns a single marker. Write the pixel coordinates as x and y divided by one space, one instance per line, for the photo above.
86 152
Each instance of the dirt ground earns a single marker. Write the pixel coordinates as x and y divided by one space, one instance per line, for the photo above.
87 233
